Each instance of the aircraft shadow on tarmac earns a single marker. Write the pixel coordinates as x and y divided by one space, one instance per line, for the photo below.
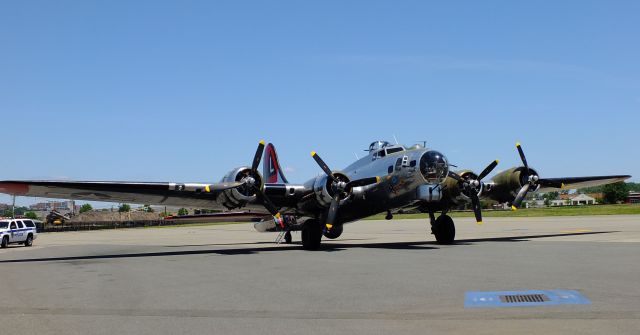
326 247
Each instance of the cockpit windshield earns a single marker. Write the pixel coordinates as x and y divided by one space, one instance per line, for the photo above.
377 145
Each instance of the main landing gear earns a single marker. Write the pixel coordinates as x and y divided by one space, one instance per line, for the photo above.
311 234
286 223
287 237
443 228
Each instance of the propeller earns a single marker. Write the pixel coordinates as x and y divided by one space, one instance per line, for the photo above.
471 188
533 181
250 181
341 188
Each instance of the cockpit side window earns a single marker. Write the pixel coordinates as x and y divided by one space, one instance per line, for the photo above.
394 150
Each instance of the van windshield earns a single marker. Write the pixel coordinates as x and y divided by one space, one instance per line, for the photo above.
4 225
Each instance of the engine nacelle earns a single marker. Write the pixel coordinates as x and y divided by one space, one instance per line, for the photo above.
452 189
323 191
240 196
505 185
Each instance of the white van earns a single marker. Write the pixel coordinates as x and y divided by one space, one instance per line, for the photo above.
22 231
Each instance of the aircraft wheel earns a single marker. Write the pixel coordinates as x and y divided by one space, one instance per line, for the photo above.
311 234
444 230
287 237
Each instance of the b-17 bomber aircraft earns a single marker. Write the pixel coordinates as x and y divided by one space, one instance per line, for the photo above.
391 177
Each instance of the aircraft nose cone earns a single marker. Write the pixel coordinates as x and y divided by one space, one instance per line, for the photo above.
434 167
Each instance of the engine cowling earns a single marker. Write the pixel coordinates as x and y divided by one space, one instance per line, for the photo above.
324 192
505 185
240 196
453 190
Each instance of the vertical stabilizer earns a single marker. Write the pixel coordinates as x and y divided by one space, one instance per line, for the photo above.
271 170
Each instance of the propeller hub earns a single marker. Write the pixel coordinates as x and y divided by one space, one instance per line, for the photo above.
250 181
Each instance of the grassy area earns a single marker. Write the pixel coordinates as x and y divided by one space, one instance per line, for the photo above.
536 212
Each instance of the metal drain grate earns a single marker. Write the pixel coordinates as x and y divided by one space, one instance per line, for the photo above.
517 298
528 298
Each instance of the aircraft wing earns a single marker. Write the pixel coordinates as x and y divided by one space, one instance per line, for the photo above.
549 184
170 194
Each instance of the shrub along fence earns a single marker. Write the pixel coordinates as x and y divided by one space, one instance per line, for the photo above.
97 225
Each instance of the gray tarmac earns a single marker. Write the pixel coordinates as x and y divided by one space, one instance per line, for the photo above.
380 277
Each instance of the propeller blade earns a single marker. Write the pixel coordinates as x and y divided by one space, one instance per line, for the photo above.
477 209
518 200
362 182
455 176
222 186
258 156
323 165
488 169
266 202
333 210
523 158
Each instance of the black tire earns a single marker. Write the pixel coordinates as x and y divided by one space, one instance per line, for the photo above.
334 233
311 234
444 230
287 238
5 242
29 241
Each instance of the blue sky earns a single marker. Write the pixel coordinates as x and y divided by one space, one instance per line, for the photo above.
184 90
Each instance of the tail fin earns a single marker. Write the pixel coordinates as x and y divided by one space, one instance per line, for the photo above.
271 169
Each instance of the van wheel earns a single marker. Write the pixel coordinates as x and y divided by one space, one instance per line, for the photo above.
5 242
29 241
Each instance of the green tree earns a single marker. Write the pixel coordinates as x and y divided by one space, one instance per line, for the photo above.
31 215
85 208
183 211
147 209
614 193
124 208
19 211
551 195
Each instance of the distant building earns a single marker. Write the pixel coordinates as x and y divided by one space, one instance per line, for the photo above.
561 202
634 197
568 196
583 199
61 206
576 199
4 207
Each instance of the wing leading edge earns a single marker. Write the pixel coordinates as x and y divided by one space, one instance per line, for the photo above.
170 194
581 182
